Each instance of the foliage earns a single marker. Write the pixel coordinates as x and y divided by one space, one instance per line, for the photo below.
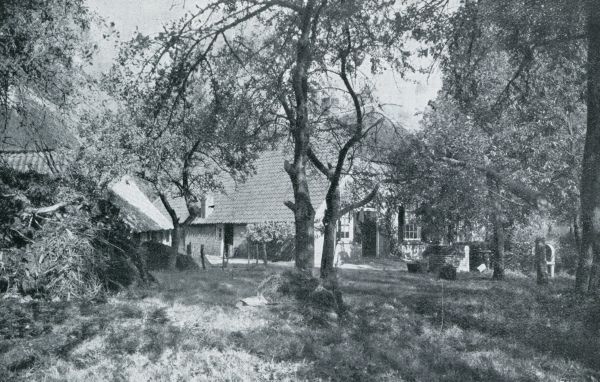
567 252
521 239
276 239
292 55
180 137
512 102
18 192
267 232
42 47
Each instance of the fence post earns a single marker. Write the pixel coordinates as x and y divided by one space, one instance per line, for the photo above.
202 256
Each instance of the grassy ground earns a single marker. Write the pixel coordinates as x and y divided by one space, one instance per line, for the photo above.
399 327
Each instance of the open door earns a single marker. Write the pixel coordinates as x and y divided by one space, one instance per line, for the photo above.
228 240
369 234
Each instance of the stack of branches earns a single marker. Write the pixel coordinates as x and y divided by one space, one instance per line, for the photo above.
77 248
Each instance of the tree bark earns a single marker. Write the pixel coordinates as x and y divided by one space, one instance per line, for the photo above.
330 220
498 228
589 257
304 212
540 261
174 234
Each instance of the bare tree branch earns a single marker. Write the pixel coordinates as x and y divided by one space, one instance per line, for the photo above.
530 196
366 200
290 205
327 171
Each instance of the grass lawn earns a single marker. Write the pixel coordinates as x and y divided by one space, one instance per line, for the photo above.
399 327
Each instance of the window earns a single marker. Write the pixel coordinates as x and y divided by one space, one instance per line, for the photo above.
343 229
412 232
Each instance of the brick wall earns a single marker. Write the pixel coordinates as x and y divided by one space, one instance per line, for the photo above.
203 234
208 235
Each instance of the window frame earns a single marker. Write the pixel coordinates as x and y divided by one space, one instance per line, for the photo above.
411 232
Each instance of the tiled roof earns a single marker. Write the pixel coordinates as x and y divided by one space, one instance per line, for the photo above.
178 204
136 209
261 197
35 161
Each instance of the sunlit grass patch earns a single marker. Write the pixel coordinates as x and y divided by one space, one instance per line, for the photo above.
398 327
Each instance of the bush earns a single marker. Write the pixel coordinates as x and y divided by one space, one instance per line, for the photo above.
447 272
520 240
278 237
437 256
416 267
567 253
157 255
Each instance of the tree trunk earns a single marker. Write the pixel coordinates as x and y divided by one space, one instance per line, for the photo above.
590 176
304 212
175 234
305 234
540 261
265 253
329 238
576 233
498 229
174 245
499 249
451 236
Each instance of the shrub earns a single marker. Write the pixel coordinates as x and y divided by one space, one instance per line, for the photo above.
276 237
567 253
157 255
520 240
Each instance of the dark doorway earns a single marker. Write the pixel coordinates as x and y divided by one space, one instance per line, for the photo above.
369 234
228 239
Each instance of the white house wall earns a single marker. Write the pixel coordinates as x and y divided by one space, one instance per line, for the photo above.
319 214
344 245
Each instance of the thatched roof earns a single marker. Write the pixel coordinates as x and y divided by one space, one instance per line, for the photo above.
136 209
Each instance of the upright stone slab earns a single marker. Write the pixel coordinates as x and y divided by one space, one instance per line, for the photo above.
550 259
464 265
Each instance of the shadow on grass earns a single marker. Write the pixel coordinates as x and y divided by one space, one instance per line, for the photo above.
214 287
395 328
544 319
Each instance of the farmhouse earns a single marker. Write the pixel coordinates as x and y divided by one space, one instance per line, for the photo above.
221 227
144 219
